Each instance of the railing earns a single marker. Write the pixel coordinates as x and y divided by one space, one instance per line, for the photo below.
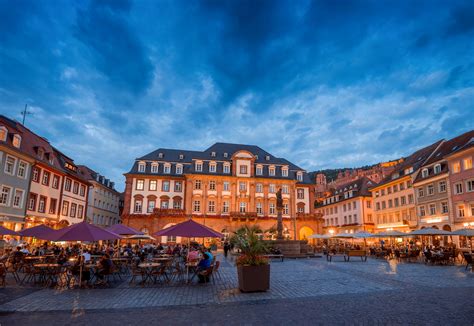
244 215
168 212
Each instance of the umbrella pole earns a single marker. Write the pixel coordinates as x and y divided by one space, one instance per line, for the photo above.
187 260
80 267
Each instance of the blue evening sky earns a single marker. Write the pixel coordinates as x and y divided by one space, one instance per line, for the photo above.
323 84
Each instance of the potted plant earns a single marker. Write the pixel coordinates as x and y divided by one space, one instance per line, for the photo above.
253 268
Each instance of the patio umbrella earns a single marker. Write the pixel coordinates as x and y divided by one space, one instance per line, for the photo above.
430 231
40 232
343 236
141 237
363 235
121 229
390 234
5 231
82 232
189 229
469 233
319 236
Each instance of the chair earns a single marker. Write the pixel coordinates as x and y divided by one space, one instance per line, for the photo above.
3 274
177 272
216 270
135 271
207 274
160 274
468 259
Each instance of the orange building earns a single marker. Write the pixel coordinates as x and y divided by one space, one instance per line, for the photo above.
224 187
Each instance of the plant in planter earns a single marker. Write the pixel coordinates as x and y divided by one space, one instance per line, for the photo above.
253 268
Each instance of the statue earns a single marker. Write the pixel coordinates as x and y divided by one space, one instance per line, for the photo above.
279 200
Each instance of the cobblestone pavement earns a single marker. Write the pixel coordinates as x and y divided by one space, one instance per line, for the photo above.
374 292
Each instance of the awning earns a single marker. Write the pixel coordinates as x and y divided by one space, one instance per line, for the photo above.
12 219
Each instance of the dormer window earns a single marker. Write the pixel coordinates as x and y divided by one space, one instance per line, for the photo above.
299 176
424 173
40 153
198 166
154 167
437 168
226 168
271 171
181 156
167 168
259 170
141 167
212 167
267 157
284 171
226 155
3 133
179 169
160 155
213 154
16 141
256 157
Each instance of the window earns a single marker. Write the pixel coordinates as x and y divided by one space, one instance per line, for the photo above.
151 206
410 199
197 184
437 168
430 190
472 209
18 198
377 206
396 202
389 190
75 187
424 173
167 168
243 169
32 202
383 205
242 207
226 155
421 192
284 172
35 174
284 189
271 171
42 204
178 186
432 209
402 186
467 163
456 167
212 185
141 167
403 200
390 203
52 205
243 186
177 204
55 183
138 206
80 211
458 188
444 207
160 155
5 196
272 209
198 166
299 176
152 185
226 185
286 210
354 205
154 168
10 165
65 209
140 184
196 206
369 204
300 193
442 186
16 141
73 209
165 186
259 208
3 133
227 168
212 167
179 169
164 204
395 188
67 185
409 184
211 206
22 166
259 170
470 185
82 190
461 212
259 188
213 154
225 207
382 192
272 188
422 211
46 175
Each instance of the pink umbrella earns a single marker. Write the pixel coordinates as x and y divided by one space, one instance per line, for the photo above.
40 231
5 231
82 232
189 229
123 230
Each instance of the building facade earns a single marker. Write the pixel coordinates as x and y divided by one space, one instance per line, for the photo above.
348 209
15 170
103 199
224 187
394 197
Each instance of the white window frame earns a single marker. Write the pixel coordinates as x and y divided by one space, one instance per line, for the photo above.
198 166
456 190
167 168
226 168
424 173
154 167
212 167
8 195
284 172
13 166
271 170
20 200
259 170
437 168
5 133
25 169
141 167
299 176
16 138
179 169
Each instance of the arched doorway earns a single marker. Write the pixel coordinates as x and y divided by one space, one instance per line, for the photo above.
305 232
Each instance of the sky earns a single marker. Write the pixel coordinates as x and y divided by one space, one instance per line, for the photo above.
324 84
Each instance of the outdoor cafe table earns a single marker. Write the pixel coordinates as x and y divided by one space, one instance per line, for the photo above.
46 272
148 269
192 265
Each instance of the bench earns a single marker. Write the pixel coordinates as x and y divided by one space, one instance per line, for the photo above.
355 253
330 256
275 256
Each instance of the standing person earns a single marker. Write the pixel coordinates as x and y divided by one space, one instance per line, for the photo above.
226 249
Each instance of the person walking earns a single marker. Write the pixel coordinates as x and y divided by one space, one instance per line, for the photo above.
226 249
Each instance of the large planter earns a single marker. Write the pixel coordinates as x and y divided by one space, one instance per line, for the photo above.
254 278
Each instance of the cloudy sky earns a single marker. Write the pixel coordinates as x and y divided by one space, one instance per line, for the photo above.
324 84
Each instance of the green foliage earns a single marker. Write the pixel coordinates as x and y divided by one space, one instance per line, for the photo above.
252 248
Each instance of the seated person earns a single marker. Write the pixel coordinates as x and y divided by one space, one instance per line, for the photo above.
86 255
203 265
193 255
104 267
76 270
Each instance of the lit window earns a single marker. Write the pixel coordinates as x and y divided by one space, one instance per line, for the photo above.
140 184
467 163
16 141
197 184
461 212
243 207
3 133
212 185
196 206
152 185
456 167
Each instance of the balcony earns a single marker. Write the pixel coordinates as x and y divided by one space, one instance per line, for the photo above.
169 212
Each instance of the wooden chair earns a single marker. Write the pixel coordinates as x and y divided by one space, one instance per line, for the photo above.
135 271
